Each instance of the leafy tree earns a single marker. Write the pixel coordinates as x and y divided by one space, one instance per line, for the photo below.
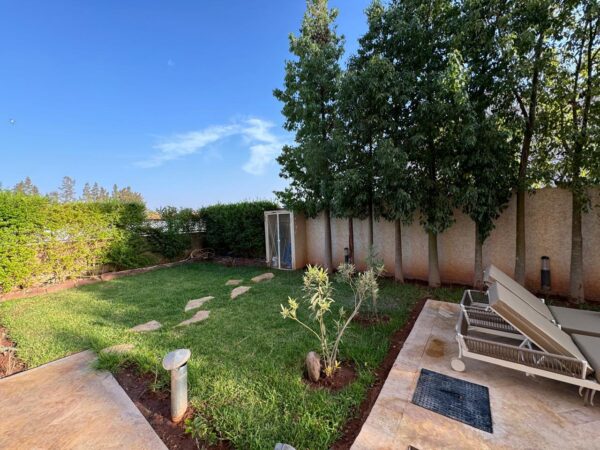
532 26
125 195
66 191
574 120
87 193
26 187
364 103
488 169
309 102
393 175
431 106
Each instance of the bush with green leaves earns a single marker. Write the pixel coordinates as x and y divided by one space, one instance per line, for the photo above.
318 296
45 242
237 229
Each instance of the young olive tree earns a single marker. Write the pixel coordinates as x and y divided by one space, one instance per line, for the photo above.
318 294
309 102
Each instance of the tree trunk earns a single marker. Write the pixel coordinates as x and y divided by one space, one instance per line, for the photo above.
520 249
398 274
576 293
370 227
434 267
530 120
351 240
478 268
328 255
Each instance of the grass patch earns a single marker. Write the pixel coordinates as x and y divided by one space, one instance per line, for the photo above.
246 368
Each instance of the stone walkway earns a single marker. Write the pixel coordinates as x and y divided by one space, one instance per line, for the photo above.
67 405
527 412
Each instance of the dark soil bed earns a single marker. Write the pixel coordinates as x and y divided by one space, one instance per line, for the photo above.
353 426
156 408
9 363
368 319
342 377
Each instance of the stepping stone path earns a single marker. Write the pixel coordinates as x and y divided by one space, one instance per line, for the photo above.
233 282
148 326
239 291
118 349
263 277
195 304
198 317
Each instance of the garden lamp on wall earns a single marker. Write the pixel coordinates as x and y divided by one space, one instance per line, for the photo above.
545 274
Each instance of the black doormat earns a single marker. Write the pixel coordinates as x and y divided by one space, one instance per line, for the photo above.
460 400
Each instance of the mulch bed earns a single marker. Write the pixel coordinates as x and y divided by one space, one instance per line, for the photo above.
156 408
353 426
9 363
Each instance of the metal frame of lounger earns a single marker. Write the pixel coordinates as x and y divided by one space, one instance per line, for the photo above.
480 317
523 358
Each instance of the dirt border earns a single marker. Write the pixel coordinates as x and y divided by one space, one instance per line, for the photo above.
354 425
107 276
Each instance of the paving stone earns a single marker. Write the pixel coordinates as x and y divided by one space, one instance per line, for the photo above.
148 326
195 304
263 277
239 291
69 404
198 317
233 282
119 349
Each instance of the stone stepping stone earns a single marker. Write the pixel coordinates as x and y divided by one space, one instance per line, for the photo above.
148 326
239 291
119 349
233 282
263 277
195 304
198 317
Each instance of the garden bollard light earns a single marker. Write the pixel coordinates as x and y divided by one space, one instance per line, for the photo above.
176 363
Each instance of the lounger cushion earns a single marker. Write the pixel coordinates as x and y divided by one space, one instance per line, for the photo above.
590 347
577 321
492 273
540 331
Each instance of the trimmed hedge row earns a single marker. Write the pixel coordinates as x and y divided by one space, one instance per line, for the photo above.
236 229
42 241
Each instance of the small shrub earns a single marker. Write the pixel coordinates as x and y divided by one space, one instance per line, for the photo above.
319 296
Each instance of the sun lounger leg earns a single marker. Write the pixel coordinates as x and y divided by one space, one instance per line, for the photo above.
457 365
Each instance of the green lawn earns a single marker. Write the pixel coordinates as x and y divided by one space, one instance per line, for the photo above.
247 362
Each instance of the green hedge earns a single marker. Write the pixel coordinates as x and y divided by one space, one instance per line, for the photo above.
42 241
236 229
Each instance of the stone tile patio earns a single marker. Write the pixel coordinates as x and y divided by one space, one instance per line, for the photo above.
67 405
527 412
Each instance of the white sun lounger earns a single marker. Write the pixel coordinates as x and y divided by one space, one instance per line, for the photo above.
570 320
539 347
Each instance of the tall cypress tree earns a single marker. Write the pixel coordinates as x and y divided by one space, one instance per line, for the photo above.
488 169
431 107
532 26
574 121
309 102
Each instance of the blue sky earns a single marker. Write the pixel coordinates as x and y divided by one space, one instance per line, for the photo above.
172 98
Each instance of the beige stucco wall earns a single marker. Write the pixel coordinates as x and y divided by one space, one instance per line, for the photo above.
548 232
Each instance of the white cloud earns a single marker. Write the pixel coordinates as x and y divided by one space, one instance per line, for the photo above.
263 144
